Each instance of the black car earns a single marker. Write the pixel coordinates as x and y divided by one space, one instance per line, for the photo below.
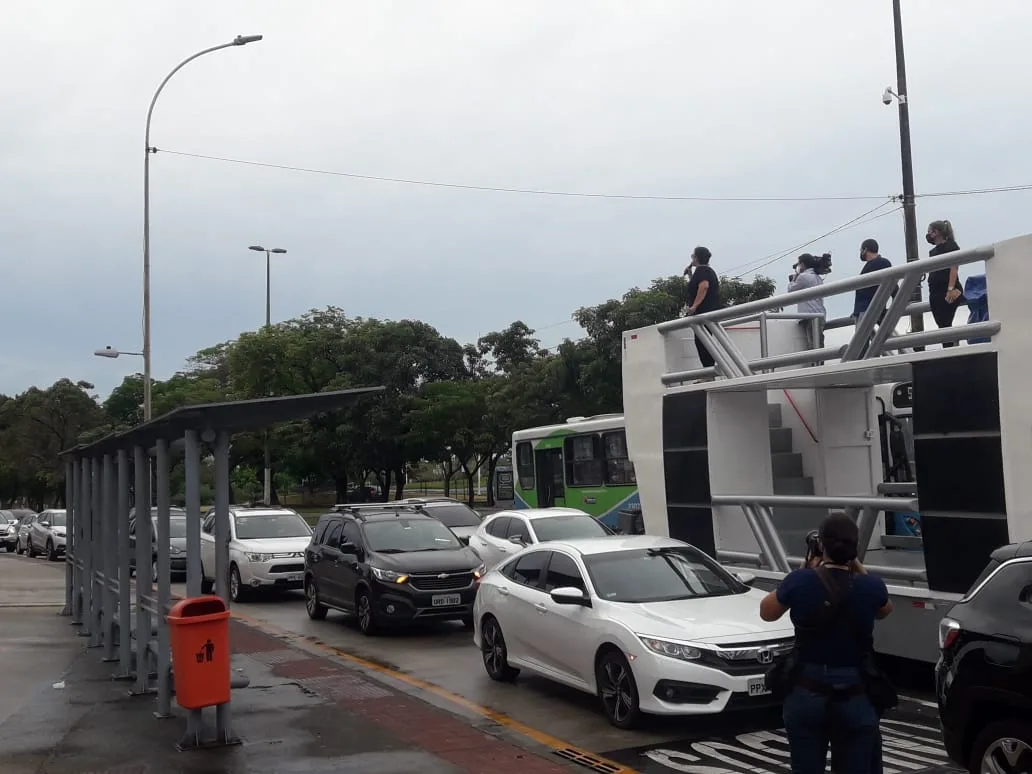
389 567
984 675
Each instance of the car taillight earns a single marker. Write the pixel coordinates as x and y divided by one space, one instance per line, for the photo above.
949 630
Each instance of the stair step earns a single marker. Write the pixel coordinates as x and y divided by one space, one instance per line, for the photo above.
787 465
780 440
794 486
775 414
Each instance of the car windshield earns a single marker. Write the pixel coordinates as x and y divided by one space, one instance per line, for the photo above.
658 575
176 524
454 515
569 527
395 536
56 519
270 526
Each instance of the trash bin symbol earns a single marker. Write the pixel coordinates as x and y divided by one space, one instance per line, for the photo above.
199 627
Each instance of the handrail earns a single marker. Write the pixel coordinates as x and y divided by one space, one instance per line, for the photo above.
820 501
923 266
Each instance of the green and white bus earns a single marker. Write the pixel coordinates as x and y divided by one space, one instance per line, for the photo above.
580 464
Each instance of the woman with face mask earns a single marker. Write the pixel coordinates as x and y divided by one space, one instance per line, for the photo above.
806 276
944 286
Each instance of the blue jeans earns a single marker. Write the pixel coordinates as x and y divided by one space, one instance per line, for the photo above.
850 725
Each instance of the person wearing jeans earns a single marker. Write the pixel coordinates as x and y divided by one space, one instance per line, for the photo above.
834 604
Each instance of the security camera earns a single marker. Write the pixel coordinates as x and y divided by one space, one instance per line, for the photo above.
887 95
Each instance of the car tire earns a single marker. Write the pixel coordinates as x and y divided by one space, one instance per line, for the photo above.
237 590
494 652
316 610
154 571
207 586
17 547
10 547
617 690
51 553
364 613
30 550
1010 740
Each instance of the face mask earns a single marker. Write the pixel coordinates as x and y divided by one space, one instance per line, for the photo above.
928 238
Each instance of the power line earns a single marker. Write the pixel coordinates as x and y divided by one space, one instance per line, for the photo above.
532 191
859 220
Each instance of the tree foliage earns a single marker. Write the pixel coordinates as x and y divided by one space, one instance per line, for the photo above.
445 405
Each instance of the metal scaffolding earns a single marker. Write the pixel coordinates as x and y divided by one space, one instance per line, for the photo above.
102 481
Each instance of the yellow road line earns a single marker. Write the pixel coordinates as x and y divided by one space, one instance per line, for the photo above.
493 715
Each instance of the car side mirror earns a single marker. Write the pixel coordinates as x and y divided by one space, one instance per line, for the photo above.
569 595
517 540
747 578
44 524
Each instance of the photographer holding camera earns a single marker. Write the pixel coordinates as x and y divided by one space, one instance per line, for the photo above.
809 272
833 692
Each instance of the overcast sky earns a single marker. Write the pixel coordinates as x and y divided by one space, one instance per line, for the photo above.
736 98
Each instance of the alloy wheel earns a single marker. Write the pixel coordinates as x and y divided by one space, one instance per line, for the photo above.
1006 755
617 691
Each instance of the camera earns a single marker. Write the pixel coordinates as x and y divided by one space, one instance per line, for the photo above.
886 96
814 546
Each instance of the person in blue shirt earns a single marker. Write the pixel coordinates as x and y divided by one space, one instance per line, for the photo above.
873 261
833 604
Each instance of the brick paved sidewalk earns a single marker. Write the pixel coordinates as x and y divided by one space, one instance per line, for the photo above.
412 721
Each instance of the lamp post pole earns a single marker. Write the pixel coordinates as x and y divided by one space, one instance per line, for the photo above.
240 40
267 484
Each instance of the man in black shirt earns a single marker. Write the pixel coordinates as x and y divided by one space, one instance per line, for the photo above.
873 261
703 294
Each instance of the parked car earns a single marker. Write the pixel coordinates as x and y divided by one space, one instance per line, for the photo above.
648 624
46 534
389 567
506 533
22 542
456 516
176 539
266 550
8 530
984 674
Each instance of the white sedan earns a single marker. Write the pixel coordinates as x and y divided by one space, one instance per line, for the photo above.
648 624
506 533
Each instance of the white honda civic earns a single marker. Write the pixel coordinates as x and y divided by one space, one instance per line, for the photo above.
648 624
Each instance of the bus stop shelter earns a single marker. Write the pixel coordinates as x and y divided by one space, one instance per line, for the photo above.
130 624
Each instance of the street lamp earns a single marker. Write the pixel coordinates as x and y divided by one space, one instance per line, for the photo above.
239 40
267 487
268 278
909 208
113 353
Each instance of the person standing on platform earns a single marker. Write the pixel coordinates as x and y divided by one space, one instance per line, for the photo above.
703 295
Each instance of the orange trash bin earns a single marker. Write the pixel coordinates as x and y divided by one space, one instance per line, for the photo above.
199 634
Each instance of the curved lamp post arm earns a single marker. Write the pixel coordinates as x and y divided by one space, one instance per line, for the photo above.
239 40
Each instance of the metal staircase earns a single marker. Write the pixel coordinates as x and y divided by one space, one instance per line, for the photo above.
792 522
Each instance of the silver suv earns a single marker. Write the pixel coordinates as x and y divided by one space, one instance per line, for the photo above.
46 534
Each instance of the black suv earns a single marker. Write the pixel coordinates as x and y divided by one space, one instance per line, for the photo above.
389 567
456 516
984 675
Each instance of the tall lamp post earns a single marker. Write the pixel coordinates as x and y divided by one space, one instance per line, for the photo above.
239 40
267 488
909 208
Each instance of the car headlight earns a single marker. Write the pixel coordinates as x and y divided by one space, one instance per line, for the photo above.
479 572
388 576
671 649
259 557
11 530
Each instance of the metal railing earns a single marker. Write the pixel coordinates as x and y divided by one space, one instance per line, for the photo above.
874 332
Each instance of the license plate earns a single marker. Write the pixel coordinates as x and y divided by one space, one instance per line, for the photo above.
294 577
445 600
758 686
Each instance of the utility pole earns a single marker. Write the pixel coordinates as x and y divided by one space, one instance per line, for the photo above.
909 209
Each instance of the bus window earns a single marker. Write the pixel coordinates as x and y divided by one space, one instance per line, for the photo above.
583 461
525 465
619 469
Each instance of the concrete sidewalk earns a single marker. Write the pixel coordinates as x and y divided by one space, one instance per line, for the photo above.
304 711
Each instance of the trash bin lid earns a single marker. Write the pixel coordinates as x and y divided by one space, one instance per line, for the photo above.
195 607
